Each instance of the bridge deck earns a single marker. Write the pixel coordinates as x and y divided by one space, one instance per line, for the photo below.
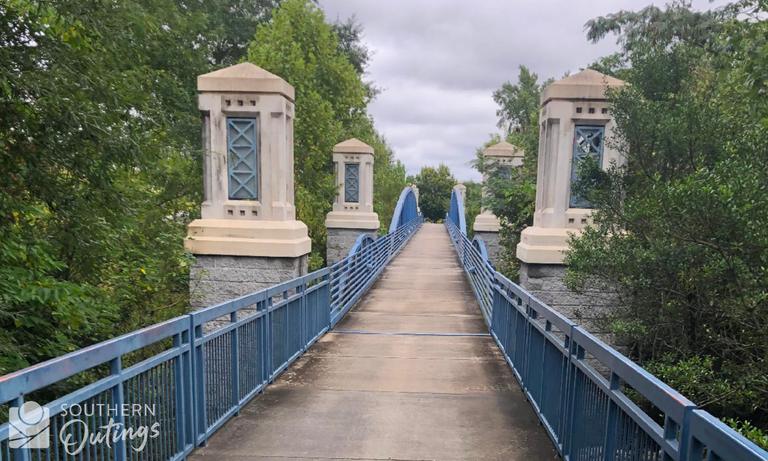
409 374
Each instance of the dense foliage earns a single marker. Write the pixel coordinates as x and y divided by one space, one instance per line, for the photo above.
435 185
331 100
100 158
511 195
473 200
682 230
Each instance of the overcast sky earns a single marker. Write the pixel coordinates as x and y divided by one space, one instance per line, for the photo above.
439 61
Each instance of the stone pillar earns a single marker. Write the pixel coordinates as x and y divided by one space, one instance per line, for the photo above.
574 124
352 213
501 156
248 237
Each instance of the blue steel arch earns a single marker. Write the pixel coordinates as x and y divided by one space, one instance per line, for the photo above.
456 211
363 240
406 209
479 245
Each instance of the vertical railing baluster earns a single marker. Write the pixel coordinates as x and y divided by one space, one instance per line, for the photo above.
180 389
20 454
235 363
200 392
118 399
270 345
611 421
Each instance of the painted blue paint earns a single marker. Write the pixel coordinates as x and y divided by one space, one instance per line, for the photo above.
213 361
479 245
352 182
406 210
588 416
362 241
588 142
209 363
243 158
456 211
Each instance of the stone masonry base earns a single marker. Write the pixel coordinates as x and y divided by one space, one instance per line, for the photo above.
340 241
214 279
547 282
491 240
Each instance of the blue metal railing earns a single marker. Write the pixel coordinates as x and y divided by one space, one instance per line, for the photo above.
196 371
584 392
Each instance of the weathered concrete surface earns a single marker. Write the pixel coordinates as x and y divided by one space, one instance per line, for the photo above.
391 394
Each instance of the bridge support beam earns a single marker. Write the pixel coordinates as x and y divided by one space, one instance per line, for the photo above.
248 237
352 212
497 160
575 122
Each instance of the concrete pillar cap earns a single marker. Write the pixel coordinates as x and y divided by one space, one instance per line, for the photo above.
587 84
244 78
503 149
353 146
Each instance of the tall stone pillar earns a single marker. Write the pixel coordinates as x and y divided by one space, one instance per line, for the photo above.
499 157
574 124
248 237
352 212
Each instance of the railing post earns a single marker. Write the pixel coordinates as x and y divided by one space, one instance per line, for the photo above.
183 383
686 452
118 398
198 358
235 363
609 443
21 454
269 346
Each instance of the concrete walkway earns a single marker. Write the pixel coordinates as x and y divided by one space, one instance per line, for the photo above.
376 389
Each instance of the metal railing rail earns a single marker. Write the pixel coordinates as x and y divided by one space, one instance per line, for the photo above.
203 367
594 403
479 269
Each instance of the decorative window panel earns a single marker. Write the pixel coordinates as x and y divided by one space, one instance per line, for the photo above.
243 158
588 143
352 182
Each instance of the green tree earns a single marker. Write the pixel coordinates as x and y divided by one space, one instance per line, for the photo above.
435 185
99 157
681 231
100 153
331 101
472 203
511 195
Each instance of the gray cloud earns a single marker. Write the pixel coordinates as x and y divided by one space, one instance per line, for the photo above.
439 61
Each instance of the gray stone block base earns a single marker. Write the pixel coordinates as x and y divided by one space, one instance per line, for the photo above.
340 241
214 279
492 244
589 309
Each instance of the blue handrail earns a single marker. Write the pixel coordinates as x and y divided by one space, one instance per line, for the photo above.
198 370
585 392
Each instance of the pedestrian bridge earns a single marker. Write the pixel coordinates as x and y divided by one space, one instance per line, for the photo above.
412 347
